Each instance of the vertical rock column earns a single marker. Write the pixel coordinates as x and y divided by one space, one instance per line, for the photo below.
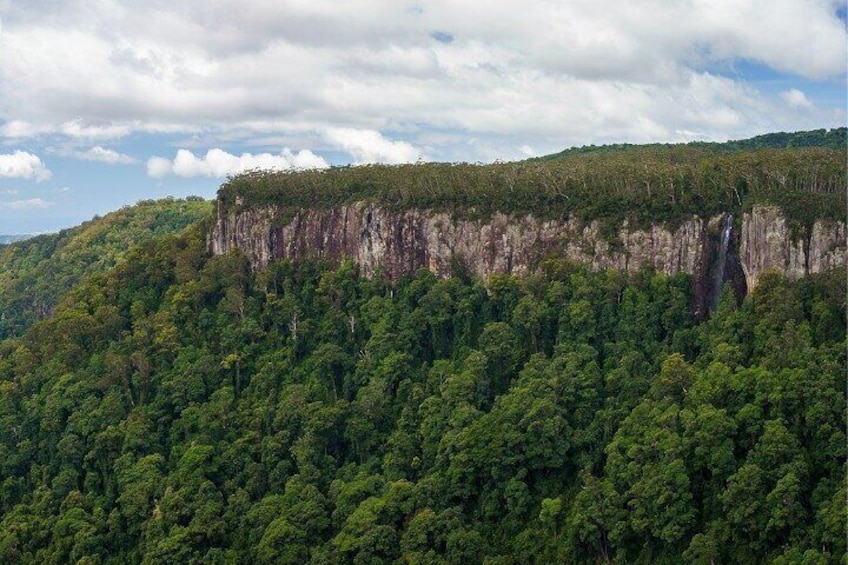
767 243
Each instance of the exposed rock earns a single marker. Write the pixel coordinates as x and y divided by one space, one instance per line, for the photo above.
767 243
398 243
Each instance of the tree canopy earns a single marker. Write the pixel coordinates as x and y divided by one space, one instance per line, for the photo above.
803 173
34 273
180 409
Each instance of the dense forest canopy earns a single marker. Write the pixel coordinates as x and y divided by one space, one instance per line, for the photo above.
159 405
34 273
181 409
803 173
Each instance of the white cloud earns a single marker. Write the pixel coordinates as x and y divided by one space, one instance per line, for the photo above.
29 204
23 165
796 98
20 129
219 163
527 151
368 146
74 129
546 75
103 155
79 130
158 167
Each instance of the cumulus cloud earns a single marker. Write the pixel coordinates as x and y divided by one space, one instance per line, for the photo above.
368 146
28 204
159 167
103 155
796 98
480 74
23 165
219 163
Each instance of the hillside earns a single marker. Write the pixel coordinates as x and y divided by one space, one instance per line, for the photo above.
718 212
835 138
35 272
176 406
181 409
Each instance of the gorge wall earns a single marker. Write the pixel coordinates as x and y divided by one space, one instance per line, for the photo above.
398 243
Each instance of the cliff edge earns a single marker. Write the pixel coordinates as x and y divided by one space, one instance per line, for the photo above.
395 243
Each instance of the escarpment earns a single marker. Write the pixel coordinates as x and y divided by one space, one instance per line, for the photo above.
395 243
398 243
720 214
768 243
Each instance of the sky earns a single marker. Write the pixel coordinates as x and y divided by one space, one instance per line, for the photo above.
107 102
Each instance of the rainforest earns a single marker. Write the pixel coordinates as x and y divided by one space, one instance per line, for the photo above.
163 404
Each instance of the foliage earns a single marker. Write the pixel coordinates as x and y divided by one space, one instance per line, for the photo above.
804 174
834 138
179 409
34 273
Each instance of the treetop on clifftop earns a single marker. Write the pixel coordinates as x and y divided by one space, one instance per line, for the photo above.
804 173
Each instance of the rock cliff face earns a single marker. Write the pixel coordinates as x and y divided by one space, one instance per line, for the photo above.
397 243
767 243
400 243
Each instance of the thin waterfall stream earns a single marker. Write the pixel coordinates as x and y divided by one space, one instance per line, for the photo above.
718 281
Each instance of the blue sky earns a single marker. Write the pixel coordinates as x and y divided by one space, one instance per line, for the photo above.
106 102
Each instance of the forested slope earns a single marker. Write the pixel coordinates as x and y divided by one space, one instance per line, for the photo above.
179 409
834 138
34 273
804 174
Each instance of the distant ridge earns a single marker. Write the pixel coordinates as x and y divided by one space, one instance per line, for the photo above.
37 270
834 138
7 239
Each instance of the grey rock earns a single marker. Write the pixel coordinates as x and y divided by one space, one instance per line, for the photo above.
397 243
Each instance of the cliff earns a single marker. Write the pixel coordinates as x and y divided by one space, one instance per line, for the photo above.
397 243
400 243
767 243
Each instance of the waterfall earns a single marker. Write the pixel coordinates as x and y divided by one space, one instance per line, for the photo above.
718 281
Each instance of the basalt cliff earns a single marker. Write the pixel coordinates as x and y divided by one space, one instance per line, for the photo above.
714 250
